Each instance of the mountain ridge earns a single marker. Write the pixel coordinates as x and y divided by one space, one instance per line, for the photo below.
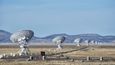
5 37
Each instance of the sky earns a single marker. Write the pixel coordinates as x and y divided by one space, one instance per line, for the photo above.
46 17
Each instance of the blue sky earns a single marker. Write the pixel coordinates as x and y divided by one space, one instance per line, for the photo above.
47 17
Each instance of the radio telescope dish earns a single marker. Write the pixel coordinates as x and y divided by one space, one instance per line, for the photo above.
22 38
24 34
59 40
77 41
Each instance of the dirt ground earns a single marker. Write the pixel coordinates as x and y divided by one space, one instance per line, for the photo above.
71 51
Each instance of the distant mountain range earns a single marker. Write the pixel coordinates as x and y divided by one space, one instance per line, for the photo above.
84 38
4 36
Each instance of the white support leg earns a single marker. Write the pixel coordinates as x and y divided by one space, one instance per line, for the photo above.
59 46
23 50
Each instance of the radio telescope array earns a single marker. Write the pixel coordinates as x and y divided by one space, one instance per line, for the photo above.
59 40
22 38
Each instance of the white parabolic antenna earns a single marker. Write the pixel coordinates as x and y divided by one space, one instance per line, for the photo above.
59 40
77 41
22 38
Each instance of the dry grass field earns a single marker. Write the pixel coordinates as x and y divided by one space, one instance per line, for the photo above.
71 51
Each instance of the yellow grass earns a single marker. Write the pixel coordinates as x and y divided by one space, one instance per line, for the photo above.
55 63
95 52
